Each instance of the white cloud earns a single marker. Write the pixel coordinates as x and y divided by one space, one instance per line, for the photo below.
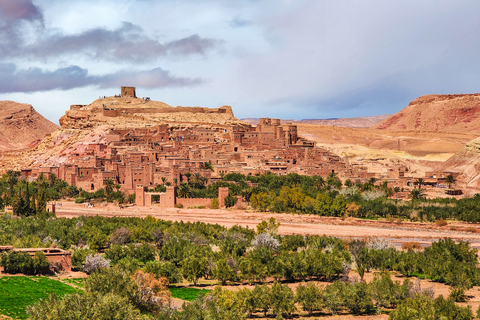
283 58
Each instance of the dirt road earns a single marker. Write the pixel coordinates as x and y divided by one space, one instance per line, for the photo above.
396 231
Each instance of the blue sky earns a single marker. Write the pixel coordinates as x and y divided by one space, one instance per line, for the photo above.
299 59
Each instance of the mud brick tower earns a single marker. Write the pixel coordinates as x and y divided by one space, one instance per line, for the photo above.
128 92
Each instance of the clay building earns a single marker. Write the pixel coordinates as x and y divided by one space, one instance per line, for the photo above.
128 92
148 157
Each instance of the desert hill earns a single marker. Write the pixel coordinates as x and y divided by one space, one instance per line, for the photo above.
357 122
131 112
21 126
88 124
442 113
466 161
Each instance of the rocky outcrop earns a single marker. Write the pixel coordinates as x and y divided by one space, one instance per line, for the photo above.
131 111
466 161
443 113
22 126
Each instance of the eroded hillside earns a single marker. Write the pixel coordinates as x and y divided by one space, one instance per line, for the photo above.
440 113
21 126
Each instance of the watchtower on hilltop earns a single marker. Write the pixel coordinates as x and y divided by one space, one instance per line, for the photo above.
128 92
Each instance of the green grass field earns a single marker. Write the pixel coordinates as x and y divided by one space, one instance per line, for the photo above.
188 294
16 293
74 281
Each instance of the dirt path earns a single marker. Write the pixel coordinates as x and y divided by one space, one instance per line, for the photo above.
397 232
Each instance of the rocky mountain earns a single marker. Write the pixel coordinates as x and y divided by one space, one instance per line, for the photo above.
21 126
443 113
466 161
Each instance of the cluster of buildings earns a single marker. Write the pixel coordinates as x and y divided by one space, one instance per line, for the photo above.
164 154
142 158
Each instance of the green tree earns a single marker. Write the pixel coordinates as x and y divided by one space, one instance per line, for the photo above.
223 272
40 263
262 295
193 268
108 187
269 226
206 166
230 201
282 299
79 306
184 190
450 180
260 201
310 297
357 298
416 194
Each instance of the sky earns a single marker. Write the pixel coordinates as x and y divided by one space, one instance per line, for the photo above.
289 59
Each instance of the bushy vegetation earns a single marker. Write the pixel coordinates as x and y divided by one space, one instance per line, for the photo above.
131 259
22 262
110 293
173 252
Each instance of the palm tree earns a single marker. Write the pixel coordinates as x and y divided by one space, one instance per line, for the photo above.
416 194
206 166
184 190
188 175
420 182
52 178
450 180
109 185
198 181
319 182
164 180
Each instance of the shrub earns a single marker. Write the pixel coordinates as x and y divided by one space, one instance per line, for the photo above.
411 245
265 240
178 205
17 262
215 204
121 235
230 201
40 263
441 223
471 229
94 262
79 256
164 269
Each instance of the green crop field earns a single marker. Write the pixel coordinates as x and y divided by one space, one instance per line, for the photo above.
16 293
188 294
78 282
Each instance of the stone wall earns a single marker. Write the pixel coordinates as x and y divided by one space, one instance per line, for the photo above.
194 202
110 113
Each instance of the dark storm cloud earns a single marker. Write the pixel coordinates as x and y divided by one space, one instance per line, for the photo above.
129 42
15 10
35 79
15 16
126 43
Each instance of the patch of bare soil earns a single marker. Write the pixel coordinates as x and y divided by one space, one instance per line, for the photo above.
349 228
